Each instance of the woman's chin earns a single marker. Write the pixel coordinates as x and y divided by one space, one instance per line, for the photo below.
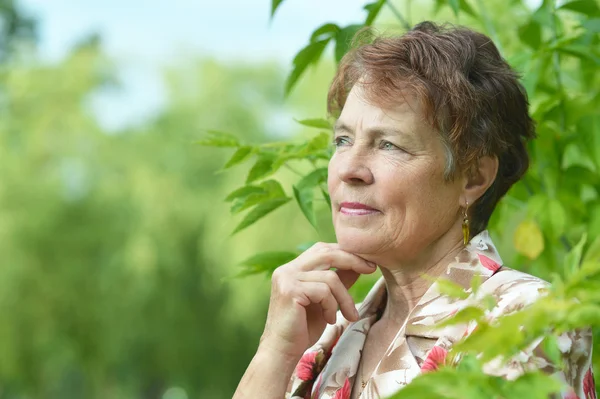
359 243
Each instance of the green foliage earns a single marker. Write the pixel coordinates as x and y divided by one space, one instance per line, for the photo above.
570 303
266 262
17 29
274 5
113 250
268 195
542 223
469 381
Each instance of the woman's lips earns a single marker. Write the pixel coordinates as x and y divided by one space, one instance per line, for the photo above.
356 209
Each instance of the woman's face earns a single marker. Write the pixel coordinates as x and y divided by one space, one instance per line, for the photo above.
390 201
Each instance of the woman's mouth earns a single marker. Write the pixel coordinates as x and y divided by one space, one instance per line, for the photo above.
356 209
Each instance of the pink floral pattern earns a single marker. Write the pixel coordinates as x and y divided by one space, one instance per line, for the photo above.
306 367
589 387
435 358
344 391
419 346
489 264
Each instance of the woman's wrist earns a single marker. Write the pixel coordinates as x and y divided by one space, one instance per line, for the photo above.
268 374
275 349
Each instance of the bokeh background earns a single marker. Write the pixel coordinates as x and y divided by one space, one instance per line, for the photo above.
116 243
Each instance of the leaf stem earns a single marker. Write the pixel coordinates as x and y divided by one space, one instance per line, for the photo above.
293 170
565 242
489 25
397 14
556 67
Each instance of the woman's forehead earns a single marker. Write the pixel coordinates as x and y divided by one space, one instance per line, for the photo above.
405 117
360 104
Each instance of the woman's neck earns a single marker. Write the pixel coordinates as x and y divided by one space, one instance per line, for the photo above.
408 282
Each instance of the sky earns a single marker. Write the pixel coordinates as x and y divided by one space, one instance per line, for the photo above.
143 35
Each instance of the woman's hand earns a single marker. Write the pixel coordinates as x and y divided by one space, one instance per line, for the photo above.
305 296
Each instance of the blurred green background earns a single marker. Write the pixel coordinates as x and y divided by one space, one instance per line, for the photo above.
114 231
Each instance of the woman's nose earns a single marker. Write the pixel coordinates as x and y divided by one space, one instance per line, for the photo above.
353 168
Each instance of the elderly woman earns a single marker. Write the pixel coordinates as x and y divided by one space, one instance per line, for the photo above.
431 133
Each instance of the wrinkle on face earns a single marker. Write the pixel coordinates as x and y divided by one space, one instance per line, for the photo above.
417 204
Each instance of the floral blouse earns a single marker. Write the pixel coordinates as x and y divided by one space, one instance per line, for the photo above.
328 369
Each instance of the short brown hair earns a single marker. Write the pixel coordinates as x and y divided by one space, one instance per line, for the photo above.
469 92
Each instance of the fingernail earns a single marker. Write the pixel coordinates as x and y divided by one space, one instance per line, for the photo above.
372 264
356 315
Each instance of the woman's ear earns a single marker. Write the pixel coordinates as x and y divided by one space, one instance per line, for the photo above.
480 177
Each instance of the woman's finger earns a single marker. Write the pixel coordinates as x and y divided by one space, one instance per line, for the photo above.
347 277
319 293
327 256
339 291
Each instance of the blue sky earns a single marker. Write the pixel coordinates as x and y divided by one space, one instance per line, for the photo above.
143 35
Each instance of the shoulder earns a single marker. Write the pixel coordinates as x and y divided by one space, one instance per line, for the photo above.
513 289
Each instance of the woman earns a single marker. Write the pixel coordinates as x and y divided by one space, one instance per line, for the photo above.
432 133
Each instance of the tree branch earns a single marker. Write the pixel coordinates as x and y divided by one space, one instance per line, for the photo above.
397 14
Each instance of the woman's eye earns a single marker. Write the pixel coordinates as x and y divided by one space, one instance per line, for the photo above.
341 141
386 145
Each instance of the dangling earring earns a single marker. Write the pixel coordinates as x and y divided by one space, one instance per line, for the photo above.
465 225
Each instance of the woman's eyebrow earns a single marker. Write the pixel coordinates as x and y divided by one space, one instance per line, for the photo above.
341 127
377 131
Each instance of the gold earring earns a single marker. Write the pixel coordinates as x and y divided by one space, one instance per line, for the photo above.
465 225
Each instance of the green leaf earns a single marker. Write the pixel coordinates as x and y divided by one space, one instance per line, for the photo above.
244 192
475 283
304 192
274 6
528 239
304 198
593 252
455 5
588 129
550 347
588 193
317 123
343 40
373 10
259 212
318 143
531 34
273 187
586 7
465 315
573 258
580 51
219 139
239 156
270 189
573 156
307 56
261 168
556 217
592 25
453 290
327 198
533 385
583 316
534 72
313 179
324 32
266 262
543 15
467 8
